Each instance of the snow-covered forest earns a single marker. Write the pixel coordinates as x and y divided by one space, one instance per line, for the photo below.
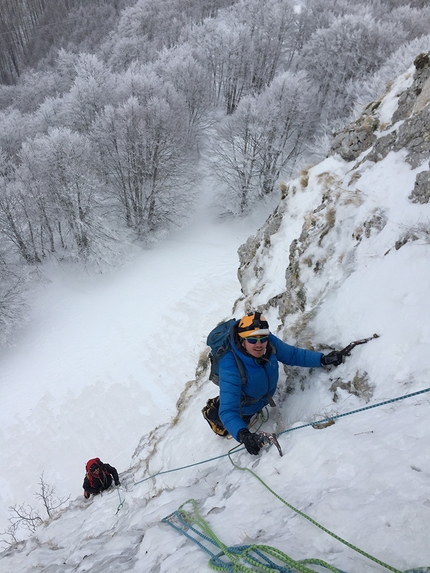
114 114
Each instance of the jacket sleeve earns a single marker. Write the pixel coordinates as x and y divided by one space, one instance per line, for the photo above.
230 386
112 472
87 486
294 356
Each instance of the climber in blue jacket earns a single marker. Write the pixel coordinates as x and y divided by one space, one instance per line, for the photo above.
260 351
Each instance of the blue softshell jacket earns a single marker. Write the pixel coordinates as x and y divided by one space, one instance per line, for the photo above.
261 379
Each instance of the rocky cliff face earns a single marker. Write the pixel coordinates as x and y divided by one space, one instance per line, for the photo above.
408 129
369 198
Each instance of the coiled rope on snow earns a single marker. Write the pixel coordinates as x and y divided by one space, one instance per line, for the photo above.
260 557
237 558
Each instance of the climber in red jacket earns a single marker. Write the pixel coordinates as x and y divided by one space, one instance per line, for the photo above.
99 477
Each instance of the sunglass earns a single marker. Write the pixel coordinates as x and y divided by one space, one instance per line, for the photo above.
261 339
94 469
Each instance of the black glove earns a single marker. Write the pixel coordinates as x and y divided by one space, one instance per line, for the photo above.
251 441
334 358
117 482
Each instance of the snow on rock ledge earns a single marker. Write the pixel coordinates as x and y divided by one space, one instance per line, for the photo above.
355 210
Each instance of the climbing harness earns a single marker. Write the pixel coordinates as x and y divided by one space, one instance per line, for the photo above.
246 558
211 414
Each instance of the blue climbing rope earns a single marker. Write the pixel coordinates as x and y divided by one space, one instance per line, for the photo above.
257 556
245 558
237 558
121 501
337 416
289 430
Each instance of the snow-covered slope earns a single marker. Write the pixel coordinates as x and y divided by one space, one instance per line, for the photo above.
358 235
345 255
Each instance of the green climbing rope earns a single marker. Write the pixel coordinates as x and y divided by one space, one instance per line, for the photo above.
288 430
245 558
251 558
239 556
350 545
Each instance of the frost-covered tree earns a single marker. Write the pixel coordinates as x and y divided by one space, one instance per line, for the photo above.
59 176
15 127
316 15
351 47
144 147
264 135
19 227
272 27
234 157
181 68
92 89
321 13
147 27
244 48
414 21
13 307
287 119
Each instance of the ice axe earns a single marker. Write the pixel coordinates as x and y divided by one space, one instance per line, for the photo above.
269 439
347 350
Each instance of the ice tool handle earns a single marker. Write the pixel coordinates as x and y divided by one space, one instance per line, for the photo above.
347 350
269 439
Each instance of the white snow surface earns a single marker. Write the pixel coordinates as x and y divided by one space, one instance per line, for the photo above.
106 362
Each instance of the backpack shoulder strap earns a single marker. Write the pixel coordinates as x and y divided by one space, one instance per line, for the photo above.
240 367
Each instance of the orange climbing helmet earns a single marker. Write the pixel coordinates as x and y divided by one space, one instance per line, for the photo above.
253 325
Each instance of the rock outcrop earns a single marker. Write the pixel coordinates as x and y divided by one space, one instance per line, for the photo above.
330 215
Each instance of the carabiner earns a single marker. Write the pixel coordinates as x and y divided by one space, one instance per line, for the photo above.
270 439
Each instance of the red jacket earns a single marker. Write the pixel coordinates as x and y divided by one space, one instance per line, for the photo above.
94 483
